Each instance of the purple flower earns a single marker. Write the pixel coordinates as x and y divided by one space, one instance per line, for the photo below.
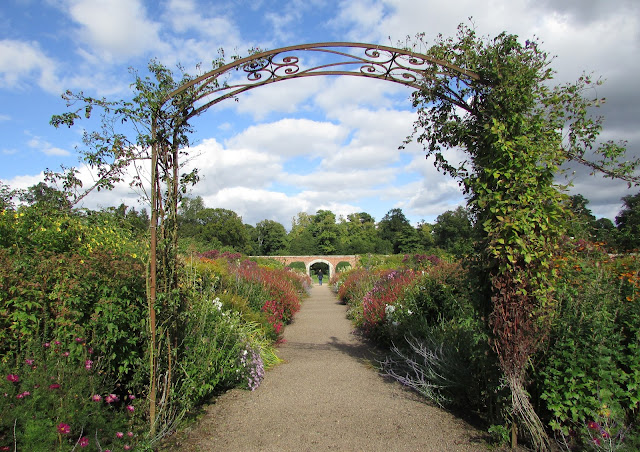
87 364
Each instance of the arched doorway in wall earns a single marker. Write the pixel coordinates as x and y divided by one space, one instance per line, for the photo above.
320 264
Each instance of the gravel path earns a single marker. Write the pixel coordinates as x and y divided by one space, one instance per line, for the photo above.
326 396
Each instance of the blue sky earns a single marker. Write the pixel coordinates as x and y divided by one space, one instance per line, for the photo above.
301 145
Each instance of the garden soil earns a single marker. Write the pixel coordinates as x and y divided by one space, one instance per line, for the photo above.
326 395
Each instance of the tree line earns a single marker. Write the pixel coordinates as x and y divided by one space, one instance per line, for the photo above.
454 232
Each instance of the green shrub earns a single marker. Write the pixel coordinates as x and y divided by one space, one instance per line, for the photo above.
298 265
589 378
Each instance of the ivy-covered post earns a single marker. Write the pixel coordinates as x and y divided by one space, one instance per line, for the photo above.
516 132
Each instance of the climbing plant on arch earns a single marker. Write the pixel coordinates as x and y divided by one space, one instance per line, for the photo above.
488 97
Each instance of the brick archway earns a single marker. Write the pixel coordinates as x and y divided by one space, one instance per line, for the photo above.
331 261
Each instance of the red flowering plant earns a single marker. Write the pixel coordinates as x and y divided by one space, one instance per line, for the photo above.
380 302
53 399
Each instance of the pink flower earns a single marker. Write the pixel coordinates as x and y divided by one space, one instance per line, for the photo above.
13 378
57 342
65 354
28 362
132 397
87 364
96 397
79 339
130 434
119 435
46 344
64 428
90 351
593 425
131 408
83 442
54 386
111 398
127 447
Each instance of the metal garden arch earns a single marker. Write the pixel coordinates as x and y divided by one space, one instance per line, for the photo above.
348 58
197 95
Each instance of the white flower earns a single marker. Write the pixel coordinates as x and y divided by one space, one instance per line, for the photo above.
389 309
217 303
409 311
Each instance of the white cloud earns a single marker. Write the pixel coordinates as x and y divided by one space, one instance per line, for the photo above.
114 29
47 148
291 137
22 62
232 167
187 15
282 97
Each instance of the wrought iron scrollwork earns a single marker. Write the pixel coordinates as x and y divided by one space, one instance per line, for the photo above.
364 60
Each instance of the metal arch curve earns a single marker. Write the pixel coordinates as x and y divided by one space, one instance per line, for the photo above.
380 62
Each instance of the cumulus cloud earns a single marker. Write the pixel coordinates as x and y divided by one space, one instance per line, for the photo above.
47 148
291 137
114 29
22 63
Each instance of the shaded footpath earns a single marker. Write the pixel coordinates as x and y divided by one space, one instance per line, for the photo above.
326 396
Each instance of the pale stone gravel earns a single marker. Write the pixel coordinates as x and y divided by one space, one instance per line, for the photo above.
326 396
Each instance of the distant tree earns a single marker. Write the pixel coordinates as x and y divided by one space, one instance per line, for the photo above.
301 240
129 217
188 225
252 245
453 231
270 238
409 240
581 224
6 197
425 234
358 234
391 227
45 196
628 223
605 231
325 232
223 225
